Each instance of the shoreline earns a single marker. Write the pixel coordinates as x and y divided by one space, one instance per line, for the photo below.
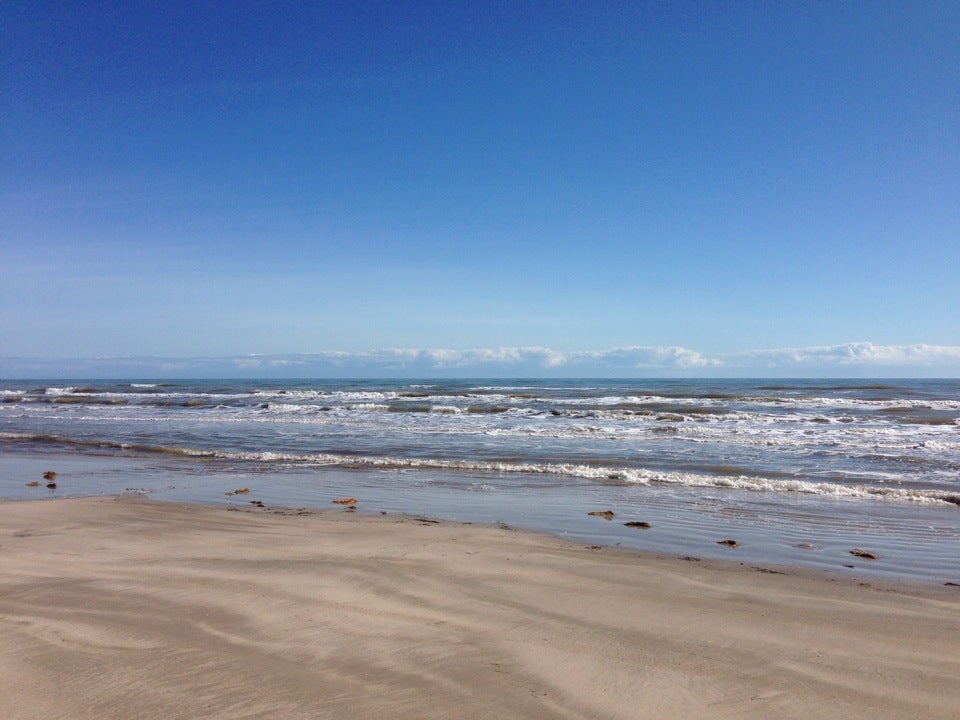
713 562
776 531
124 606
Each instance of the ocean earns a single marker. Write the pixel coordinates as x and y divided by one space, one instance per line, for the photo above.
795 472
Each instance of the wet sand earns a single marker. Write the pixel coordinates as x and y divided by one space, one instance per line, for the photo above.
123 607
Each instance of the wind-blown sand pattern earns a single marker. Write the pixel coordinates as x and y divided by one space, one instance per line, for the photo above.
137 609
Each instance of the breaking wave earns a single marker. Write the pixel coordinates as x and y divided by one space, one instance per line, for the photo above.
600 473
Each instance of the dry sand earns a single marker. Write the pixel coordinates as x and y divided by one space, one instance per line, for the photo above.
115 608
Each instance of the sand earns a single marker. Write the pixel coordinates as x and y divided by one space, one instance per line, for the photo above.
124 608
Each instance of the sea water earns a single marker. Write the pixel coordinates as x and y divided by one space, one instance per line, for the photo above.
798 472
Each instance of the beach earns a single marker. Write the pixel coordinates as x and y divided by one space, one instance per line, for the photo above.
119 607
798 472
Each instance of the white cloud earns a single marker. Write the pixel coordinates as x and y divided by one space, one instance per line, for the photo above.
542 358
646 358
860 359
850 355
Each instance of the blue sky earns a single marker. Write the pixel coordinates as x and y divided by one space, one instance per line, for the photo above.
743 183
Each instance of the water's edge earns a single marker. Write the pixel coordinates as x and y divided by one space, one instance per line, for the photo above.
691 529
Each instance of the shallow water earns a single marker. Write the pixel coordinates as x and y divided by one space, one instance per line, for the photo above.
798 472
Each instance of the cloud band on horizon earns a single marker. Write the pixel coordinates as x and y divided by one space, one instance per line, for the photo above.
862 359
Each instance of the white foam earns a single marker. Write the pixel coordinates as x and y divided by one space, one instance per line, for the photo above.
57 391
447 409
291 394
636 476
285 408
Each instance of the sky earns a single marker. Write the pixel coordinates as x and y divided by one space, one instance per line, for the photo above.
522 188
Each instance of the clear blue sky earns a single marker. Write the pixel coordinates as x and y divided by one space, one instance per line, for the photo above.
215 179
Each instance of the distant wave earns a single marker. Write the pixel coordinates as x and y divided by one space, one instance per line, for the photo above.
689 402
